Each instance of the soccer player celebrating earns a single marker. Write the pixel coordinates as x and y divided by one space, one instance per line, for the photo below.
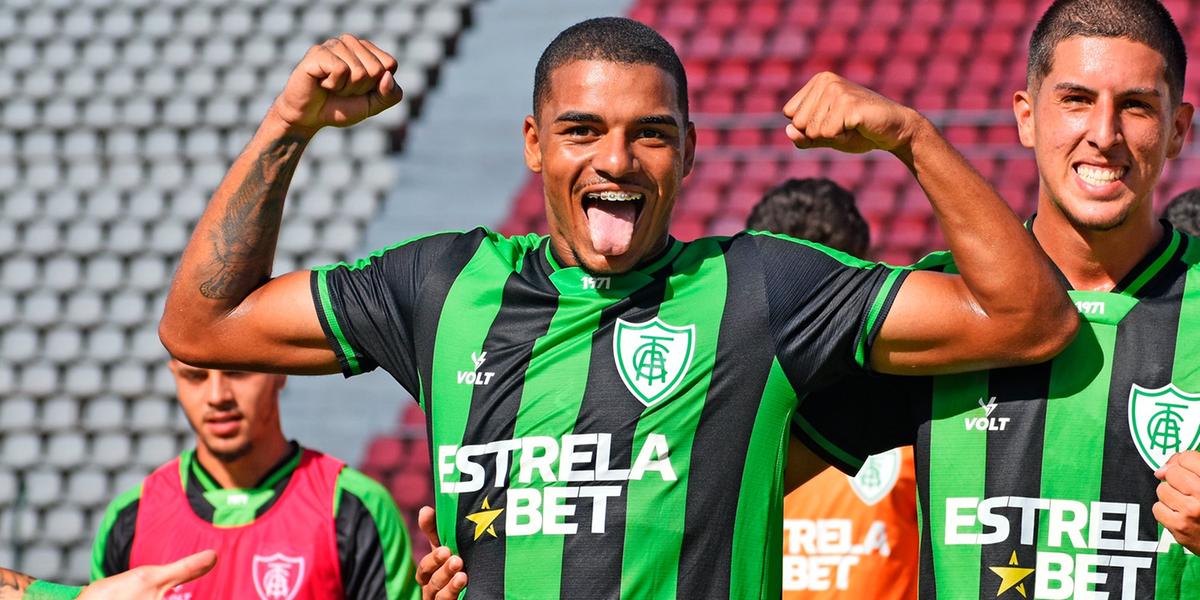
287 522
1042 481
608 406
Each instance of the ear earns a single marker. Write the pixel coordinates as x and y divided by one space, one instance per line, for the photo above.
1023 111
1179 128
689 148
533 151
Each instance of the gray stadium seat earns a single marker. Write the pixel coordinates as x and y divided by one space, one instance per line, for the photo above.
40 308
63 344
18 414
106 344
111 450
154 449
65 450
83 238
103 273
87 487
104 413
151 414
8 304
41 238
43 486
19 345
43 561
8 491
61 273
39 379
83 379
128 378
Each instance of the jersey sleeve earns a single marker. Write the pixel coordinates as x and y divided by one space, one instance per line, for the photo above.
367 308
373 545
825 307
114 540
860 415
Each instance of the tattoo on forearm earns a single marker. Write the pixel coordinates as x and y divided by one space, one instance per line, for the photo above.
245 236
13 584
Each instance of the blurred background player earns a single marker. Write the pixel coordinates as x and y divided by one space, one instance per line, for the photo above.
843 537
285 520
1183 212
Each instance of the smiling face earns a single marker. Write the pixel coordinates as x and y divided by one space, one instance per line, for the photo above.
229 410
1102 125
613 146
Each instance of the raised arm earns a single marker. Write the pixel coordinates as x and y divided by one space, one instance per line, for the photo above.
1006 306
224 309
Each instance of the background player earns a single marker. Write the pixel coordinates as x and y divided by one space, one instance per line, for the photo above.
1183 212
1042 480
266 504
844 537
472 323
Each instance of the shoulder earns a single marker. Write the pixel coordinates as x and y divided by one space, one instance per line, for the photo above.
1191 252
782 245
123 503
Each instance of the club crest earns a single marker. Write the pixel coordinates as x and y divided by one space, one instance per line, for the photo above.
278 577
652 357
877 476
1163 421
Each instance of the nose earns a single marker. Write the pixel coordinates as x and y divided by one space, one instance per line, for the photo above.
614 157
1104 124
219 390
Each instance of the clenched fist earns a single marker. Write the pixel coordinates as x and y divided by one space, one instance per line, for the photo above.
338 82
1178 506
833 112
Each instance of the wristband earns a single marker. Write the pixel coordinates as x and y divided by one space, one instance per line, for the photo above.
45 590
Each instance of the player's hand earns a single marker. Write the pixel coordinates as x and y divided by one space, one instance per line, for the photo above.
439 572
150 582
339 82
833 112
1178 506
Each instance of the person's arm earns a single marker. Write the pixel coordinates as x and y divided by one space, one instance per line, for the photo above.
1006 306
143 583
1178 506
224 309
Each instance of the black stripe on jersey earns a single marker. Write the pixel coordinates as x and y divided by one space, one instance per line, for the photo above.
524 316
1144 354
428 311
1020 394
923 416
722 436
591 563
360 551
119 546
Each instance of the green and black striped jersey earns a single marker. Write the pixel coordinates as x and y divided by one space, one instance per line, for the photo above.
1038 481
374 553
608 436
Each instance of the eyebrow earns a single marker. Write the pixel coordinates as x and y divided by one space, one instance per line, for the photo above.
582 117
1075 87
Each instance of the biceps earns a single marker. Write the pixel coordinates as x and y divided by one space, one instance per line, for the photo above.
277 329
935 326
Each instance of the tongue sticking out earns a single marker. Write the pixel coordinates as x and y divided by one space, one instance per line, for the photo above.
611 224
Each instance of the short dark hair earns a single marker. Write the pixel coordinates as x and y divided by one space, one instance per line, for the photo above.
1144 21
1183 211
612 39
817 210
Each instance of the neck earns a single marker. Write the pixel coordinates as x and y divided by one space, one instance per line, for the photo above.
245 471
1095 260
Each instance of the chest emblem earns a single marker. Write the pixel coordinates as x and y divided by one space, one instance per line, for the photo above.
278 577
1163 421
877 476
652 357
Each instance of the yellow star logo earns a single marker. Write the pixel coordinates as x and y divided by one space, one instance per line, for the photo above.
1011 576
485 518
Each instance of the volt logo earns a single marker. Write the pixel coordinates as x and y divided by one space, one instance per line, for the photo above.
987 422
476 376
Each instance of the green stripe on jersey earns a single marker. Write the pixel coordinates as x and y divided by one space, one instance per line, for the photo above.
956 478
1176 571
1076 415
656 508
752 529
110 518
555 381
471 307
331 318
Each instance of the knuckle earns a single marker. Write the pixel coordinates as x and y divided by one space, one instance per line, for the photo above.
346 37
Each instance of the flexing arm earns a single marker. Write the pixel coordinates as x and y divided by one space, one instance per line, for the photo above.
1007 306
224 310
149 582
